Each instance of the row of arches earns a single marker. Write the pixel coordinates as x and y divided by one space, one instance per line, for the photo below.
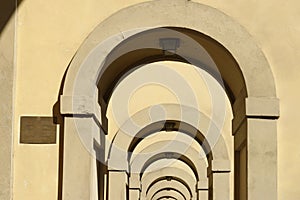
205 38
123 159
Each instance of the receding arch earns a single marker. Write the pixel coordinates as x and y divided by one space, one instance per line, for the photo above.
140 49
169 184
255 104
166 197
170 178
142 160
218 159
202 129
232 38
171 125
170 155
168 192
150 177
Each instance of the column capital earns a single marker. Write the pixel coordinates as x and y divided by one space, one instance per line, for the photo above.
117 185
254 107
219 166
202 184
80 106
134 181
262 107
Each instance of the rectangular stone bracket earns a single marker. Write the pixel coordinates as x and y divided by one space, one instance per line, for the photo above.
219 166
202 184
134 182
262 107
80 105
254 107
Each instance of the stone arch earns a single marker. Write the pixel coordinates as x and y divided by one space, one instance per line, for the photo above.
219 165
255 69
158 194
169 184
138 162
166 197
203 130
169 181
164 186
255 106
169 192
193 155
176 173
170 155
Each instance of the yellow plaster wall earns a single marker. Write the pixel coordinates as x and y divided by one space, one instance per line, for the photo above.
49 33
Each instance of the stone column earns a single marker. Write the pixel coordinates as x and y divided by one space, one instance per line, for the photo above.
83 143
134 186
134 194
255 138
117 185
203 194
219 175
221 186
202 188
78 172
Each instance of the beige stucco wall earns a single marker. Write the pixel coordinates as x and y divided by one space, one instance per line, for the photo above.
49 33
7 63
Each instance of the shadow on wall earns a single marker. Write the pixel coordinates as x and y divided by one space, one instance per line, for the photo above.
7 9
58 119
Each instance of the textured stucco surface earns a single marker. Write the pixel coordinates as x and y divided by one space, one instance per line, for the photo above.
7 61
49 33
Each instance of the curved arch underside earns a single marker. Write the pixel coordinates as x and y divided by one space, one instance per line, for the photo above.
170 155
206 134
166 198
171 150
169 173
222 48
194 48
158 194
169 178
217 44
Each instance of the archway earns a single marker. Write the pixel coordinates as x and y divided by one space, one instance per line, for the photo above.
248 82
169 184
192 154
153 152
168 192
121 149
169 174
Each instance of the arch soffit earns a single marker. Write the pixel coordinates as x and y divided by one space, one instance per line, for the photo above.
170 155
169 184
166 198
122 142
168 179
149 177
140 162
169 137
255 68
168 192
